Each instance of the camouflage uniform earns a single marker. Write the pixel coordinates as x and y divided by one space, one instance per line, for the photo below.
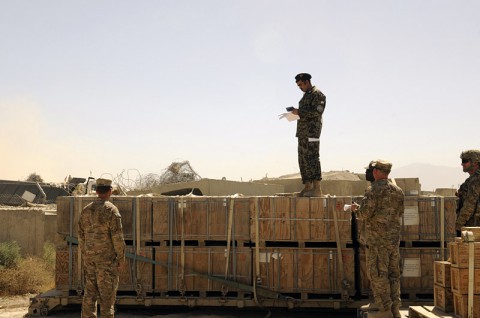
381 209
469 211
102 245
310 111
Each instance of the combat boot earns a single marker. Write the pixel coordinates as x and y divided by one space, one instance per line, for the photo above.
308 187
370 307
316 191
396 312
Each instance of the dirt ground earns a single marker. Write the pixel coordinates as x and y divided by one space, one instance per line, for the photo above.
17 306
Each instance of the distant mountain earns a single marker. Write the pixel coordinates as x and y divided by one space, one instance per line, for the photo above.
431 177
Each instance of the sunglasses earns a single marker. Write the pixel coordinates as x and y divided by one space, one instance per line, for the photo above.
465 160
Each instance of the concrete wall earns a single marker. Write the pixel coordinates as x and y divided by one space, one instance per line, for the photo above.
332 187
224 188
29 227
210 187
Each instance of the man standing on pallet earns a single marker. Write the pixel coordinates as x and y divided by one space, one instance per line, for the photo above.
309 126
381 209
468 211
100 238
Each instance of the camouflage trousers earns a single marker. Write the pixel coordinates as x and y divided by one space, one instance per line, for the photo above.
101 283
309 160
383 269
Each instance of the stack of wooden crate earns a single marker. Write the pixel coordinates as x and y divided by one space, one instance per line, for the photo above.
459 251
443 298
172 243
307 248
428 224
452 277
303 246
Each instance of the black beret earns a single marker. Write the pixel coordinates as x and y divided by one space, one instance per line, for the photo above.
303 77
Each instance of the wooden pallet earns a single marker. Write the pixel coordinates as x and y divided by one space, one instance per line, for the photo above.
427 312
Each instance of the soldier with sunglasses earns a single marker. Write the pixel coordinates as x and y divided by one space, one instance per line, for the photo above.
468 211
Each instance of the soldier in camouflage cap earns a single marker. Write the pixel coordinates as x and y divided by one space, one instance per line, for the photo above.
380 210
468 210
102 247
309 127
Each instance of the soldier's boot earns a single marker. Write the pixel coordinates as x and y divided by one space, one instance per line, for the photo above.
396 312
370 307
308 187
316 190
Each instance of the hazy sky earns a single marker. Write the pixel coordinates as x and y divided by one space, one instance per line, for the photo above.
103 87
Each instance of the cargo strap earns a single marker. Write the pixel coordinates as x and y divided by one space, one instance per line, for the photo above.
182 248
442 227
470 239
79 268
344 286
263 292
257 279
229 239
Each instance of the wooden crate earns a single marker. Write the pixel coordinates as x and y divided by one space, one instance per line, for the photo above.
443 298
70 208
274 219
430 215
293 219
422 218
410 220
442 273
137 274
127 208
459 254
306 270
450 206
460 305
322 212
301 230
66 268
417 270
68 275
175 275
200 218
68 213
460 280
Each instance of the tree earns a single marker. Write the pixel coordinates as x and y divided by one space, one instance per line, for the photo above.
34 177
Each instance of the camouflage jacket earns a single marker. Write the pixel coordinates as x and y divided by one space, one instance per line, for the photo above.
310 110
461 193
381 209
100 234
469 198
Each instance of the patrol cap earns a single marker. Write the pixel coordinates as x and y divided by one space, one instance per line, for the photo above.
103 183
472 154
303 77
381 165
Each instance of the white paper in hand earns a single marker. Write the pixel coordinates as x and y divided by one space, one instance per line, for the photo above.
289 116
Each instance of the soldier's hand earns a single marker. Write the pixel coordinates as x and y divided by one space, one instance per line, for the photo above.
354 206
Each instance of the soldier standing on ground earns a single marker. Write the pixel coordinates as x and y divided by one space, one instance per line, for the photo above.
101 242
468 211
309 127
381 209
